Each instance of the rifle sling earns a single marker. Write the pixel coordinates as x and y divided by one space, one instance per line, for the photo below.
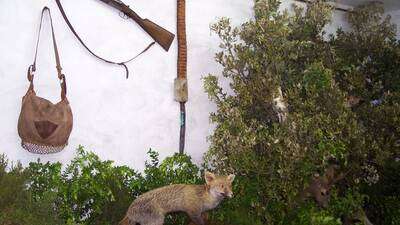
122 63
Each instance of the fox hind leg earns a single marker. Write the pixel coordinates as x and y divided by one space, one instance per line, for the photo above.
158 221
149 215
129 221
155 220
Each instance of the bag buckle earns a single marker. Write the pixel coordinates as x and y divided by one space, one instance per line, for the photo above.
30 73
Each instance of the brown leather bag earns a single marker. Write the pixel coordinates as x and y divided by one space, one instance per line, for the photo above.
45 127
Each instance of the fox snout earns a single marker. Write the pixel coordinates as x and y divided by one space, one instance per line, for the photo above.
226 194
224 190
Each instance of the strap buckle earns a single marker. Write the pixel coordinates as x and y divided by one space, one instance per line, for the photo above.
31 72
63 85
62 79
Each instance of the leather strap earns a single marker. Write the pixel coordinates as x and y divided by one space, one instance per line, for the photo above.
122 63
32 68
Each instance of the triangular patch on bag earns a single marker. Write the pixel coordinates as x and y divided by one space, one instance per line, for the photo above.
45 128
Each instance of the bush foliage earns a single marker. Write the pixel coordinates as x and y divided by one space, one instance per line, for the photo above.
16 203
301 101
86 191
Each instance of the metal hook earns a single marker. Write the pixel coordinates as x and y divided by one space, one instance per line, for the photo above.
62 78
30 73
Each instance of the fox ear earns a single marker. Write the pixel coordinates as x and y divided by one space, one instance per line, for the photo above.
209 177
231 178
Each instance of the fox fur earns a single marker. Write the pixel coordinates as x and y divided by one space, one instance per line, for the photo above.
151 207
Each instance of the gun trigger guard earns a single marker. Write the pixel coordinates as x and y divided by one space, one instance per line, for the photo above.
123 15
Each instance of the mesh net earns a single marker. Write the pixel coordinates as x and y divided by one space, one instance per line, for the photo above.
41 149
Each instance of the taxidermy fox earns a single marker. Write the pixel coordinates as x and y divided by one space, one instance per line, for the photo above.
151 207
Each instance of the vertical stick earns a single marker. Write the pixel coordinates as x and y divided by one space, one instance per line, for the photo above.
183 128
182 47
182 68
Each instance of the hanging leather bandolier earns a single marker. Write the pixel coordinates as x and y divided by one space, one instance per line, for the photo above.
160 35
181 88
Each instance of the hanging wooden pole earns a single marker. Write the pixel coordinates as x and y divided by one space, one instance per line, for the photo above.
332 3
181 88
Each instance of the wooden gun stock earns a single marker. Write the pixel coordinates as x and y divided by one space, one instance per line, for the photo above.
160 35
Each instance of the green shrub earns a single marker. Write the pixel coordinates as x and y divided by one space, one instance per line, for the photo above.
86 191
276 156
17 205
338 102
92 191
89 191
384 196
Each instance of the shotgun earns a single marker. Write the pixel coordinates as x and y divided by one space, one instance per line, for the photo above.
159 34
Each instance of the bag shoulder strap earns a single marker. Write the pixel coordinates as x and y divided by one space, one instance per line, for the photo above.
122 63
32 68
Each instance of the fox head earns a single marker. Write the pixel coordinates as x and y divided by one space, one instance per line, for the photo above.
219 186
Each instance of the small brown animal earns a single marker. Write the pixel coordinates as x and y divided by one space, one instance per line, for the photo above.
358 217
319 190
151 207
320 186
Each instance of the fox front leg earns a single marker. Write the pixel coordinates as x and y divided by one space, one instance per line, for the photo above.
197 219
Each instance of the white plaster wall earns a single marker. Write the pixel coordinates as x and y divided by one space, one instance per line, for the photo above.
395 14
118 119
338 17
